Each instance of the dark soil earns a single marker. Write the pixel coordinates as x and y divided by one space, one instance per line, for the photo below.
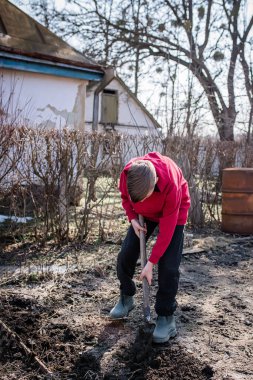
63 318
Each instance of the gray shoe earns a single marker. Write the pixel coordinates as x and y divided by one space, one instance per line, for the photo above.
165 329
123 307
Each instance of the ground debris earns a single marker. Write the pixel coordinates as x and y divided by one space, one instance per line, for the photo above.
10 338
63 319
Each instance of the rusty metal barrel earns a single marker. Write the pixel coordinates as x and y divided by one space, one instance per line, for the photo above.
237 200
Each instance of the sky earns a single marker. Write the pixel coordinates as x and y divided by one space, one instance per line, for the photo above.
60 4
250 11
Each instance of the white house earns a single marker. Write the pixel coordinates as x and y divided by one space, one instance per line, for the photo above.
48 83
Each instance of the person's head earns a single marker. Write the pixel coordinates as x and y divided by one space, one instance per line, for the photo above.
141 180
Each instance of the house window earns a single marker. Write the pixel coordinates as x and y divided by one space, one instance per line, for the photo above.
109 111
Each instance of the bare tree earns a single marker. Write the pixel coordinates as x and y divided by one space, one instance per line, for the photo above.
43 10
239 32
205 38
158 35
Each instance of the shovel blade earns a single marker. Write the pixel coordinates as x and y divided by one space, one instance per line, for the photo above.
147 314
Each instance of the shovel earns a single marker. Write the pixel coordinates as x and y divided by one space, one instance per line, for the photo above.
145 285
143 340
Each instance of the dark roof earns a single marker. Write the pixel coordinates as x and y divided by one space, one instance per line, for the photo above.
21 34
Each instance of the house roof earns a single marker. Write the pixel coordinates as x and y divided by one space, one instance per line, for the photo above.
21 34
29 46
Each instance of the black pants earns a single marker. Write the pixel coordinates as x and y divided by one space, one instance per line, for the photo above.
168 268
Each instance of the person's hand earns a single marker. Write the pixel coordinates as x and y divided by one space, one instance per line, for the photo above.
137 227
147 272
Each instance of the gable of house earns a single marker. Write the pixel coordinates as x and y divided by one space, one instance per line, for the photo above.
121 111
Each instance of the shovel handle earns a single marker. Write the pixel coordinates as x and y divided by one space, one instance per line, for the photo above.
145 285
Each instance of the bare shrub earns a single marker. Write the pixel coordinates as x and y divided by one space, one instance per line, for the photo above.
202 161
11 191
52 171
67 180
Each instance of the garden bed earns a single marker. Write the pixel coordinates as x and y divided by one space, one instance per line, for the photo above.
59 311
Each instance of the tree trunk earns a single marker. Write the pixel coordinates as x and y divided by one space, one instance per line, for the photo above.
226 124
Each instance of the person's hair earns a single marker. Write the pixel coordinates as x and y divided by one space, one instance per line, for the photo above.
141 178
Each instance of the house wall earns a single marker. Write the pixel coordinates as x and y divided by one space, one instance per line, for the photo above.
54 102
43 100
131 117
51 101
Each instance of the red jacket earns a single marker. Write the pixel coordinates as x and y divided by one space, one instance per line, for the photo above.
168 206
